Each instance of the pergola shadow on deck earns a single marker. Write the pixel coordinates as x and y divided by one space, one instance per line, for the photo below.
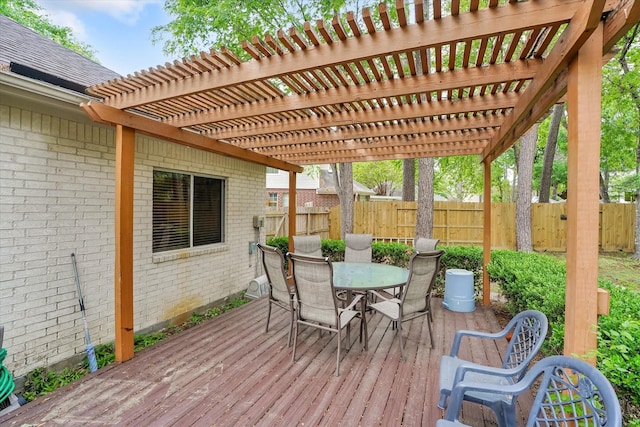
227 371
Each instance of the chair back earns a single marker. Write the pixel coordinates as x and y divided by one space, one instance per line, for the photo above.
529 331
571 392
422 244
357 247
313 281
307 245
273 263
423 267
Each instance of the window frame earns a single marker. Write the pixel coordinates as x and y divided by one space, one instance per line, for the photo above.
222 182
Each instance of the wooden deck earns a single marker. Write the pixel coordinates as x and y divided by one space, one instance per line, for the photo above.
229 372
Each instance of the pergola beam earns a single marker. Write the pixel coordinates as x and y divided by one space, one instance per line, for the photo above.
505 19
445 141
481 122
105 114
490 102
466 77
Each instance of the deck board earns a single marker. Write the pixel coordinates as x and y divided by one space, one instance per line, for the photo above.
228 371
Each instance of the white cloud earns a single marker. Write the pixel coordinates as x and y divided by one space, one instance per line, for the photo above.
125 11
67 19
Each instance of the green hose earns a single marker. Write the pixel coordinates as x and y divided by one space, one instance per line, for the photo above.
6 380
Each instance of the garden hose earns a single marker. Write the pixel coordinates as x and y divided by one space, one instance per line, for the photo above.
6 380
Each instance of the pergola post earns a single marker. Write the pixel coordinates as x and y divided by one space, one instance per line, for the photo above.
486 240
583 202
292 208
123 272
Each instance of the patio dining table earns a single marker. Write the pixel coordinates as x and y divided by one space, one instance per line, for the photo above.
360 277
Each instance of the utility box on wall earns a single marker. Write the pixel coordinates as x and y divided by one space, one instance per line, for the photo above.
258 221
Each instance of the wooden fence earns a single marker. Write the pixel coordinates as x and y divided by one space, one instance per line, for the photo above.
461 223
308 221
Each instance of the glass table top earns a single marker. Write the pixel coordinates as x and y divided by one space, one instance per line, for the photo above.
356 275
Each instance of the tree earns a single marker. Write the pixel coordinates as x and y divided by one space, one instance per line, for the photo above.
201 25
621 114
550 153
525 155
458 177
343 180
424 216
29 14
383 177
409 180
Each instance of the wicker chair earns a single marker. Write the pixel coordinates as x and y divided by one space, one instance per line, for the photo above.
528 330
569 392
280 293
307 245
357 247
318 306
415 297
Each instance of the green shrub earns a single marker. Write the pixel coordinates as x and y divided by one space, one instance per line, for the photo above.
385 253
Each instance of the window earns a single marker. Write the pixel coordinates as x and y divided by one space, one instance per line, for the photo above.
187 210
285 200
273 199
272 171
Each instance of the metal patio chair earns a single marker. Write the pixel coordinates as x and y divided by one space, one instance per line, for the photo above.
570 392
423 244
414 299
280 293
528 329
318 306
307 245
357 247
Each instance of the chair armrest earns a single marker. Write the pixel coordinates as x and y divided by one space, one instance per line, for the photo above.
382 297
460 389
354 301
464 368
457 339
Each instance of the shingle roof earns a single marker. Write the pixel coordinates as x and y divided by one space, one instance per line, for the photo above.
24 47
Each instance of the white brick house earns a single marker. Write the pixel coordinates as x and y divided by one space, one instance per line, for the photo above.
57 197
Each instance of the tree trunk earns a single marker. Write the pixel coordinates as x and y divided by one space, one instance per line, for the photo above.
550 153
604 187
424 216
526 157
408 180
343 181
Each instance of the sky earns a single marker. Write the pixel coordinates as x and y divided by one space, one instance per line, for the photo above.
118 30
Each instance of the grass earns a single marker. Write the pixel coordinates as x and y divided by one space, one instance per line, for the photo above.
620 269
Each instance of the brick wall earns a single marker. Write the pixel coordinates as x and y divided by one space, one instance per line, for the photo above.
305 196
57 197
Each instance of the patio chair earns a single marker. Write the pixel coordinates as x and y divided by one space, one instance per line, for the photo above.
415 297
280 293
318 306
422 244
357 247
307 245
570 392
528 330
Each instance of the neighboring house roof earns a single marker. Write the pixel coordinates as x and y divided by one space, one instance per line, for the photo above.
323 184
25 52
327 185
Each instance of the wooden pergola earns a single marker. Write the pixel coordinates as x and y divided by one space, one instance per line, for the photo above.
437 81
